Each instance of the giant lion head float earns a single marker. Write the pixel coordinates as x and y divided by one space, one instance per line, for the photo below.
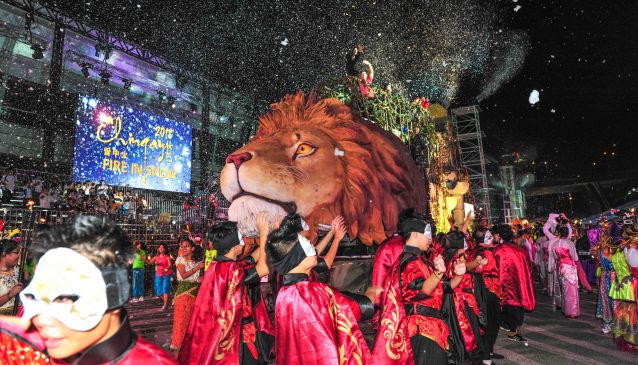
318 158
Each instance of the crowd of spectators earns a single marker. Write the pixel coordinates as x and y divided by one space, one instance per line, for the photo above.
88 197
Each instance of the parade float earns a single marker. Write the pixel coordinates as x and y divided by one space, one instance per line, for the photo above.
336 152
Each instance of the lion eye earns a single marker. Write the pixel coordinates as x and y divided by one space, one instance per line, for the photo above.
304 149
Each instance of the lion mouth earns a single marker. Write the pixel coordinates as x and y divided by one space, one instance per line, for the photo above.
288 207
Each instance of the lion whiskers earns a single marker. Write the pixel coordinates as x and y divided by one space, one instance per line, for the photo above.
297 173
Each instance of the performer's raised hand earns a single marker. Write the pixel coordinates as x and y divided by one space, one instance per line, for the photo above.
336 222
439 264
459 268
262 223
482 261
340 232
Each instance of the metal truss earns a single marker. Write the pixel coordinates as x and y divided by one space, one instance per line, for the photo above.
470 141
52 15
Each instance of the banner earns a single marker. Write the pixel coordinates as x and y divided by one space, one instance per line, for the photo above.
130 147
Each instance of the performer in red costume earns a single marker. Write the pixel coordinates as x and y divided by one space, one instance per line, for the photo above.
385 257
313 323
412 302
515 273
493 292
227 325
460 306
73 307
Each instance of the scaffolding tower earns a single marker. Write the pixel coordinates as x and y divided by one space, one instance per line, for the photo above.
469 137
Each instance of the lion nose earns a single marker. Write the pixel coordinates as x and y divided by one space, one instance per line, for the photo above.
239 158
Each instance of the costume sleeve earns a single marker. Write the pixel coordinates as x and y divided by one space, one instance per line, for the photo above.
412 278
322 266
570 231
548 225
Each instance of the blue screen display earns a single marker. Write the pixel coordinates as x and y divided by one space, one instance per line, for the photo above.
130 147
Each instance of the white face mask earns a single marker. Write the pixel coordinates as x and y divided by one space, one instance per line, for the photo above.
62 272
488 238
428 231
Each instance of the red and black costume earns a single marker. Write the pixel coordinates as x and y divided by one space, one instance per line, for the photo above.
21 347
515 273
385 257
408 313
230 323
461 309
493 296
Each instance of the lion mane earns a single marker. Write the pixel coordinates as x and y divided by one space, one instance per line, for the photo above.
381 180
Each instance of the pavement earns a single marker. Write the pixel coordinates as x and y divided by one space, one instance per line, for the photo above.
551 338
554 339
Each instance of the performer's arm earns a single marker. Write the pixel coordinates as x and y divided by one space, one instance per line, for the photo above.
324 242
459 271
332 252
570 231
466 223
430 284
548 225
262 263
188 273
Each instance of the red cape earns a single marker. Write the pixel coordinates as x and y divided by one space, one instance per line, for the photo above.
515 273
392 345
213 335
314 326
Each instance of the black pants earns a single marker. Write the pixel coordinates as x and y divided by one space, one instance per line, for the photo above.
479 354
513 317
493 309
427 352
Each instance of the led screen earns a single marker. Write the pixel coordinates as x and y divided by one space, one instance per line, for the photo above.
131 147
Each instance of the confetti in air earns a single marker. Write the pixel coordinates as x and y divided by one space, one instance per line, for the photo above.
534 97
454 50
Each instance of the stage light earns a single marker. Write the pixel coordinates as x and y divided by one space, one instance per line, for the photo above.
38 51
42 220
28 20
162 96
127 84
85 70
105 76
104 50
193 108
171 101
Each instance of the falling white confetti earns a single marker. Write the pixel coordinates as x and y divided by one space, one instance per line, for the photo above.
339 153
553 111
534 97
517 8
284 42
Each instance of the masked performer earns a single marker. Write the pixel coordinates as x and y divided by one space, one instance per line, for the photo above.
313 322
73 307
625 291
387 254
493 292
562 261
227 325
412 301
461 307
515 273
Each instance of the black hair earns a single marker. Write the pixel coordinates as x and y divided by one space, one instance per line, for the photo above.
506 232
190 242
218 232
562 231
283 239
7 246
166 252
96 238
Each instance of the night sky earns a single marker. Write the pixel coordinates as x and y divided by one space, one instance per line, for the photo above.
580 55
